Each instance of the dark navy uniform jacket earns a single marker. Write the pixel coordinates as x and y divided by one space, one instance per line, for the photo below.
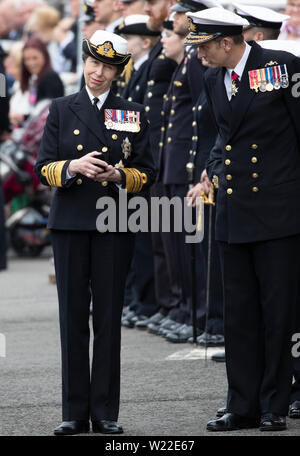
258 155
204 135
177 132
159 73
73 129
137 85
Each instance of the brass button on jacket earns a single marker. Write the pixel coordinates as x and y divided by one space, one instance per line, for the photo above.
114 137
254 146
229 191
227 162
104 184
254 159
228 148
79 147
255 189
104 149
79 181
76 132
228 177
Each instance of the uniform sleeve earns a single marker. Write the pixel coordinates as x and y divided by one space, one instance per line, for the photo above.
292 95
140 173
49 168
214 165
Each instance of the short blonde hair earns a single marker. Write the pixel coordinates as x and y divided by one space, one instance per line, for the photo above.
43 18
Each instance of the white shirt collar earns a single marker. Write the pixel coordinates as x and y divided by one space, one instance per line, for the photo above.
102 97
239 69
140 62
111 27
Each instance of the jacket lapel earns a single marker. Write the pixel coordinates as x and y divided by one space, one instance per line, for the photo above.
245 95
220 98
84 110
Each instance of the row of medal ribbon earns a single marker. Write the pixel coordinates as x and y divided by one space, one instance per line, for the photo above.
269 78
121 120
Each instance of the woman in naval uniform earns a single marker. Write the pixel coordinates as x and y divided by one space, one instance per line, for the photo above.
94 144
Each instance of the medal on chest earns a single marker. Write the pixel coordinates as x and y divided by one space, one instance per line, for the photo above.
121 120
269 78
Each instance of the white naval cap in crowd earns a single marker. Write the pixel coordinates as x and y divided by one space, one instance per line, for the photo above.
260 16
136 24
273 4
183 6
292 46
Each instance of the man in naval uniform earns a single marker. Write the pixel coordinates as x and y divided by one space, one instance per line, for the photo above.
93 144
176 143
257 165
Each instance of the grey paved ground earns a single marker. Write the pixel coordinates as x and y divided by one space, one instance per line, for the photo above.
164 390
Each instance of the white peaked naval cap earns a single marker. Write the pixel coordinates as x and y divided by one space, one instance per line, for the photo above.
107 47
259 16
211 23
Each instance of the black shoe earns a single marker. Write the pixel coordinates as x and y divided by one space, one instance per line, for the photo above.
181 334
140 320
221 412
127 320
125 311
166 323
156 319
210 340
167 326
294 411
232 422
272 422
72 428
219 357
106 427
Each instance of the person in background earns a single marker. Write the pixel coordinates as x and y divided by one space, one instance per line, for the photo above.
159 74
89 25
37 75
44 23
291 28
140 290
129 7
108 14
264 23
40 84
19 107
4 132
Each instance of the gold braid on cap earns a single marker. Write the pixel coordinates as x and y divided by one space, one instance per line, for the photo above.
134 180
198 38
191 26
105 50
53 172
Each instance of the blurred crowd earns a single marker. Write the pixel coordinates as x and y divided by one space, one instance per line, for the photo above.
40 54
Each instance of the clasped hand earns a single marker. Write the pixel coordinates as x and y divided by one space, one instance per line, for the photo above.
91 166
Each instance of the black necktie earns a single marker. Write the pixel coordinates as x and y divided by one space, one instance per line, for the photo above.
95 101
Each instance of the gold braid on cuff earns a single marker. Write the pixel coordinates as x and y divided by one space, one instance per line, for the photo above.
53 172
134 180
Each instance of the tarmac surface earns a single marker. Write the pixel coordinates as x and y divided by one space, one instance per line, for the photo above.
167 389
